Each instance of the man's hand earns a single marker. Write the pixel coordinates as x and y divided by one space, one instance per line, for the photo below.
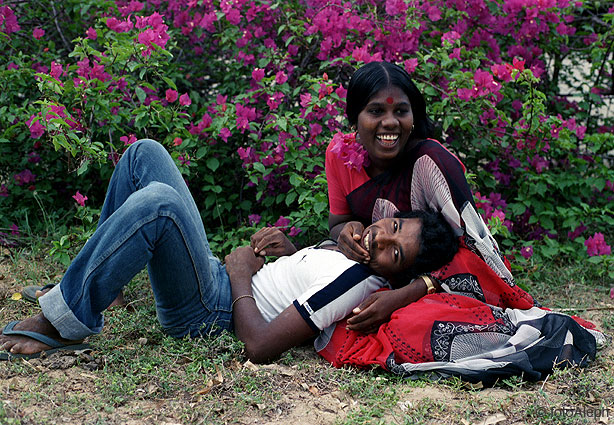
349 242
374 311
271 241
242 264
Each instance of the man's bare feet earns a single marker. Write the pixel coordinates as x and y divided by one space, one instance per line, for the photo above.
19 344
119 301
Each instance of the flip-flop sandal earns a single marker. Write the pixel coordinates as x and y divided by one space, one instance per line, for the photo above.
29 292
55 345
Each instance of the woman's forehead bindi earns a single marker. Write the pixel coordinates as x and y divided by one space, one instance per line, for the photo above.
390 100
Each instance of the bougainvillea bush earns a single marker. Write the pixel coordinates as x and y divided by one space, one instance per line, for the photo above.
246 95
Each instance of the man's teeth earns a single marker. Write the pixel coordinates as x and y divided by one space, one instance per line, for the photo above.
367 241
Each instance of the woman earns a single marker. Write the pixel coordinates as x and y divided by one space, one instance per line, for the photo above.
490 332
406 170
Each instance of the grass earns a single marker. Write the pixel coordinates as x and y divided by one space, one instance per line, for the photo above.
137 374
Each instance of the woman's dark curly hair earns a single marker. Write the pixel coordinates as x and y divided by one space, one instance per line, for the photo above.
375 76
438 243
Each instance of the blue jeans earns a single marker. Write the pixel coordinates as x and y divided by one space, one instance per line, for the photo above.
148 218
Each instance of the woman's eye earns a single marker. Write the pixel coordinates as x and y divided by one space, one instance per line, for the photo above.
375 111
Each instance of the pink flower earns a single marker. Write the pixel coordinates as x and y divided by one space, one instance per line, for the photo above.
349 151
612 289
80 198
4 191
595 245
91 33
450 37
253 219
24 177
116 25
171 95
36 128
177 141
294 231
465 94
305 99
411 65
185 100
526 252
281 77
12 65
258 74
225 134
395 7
576 232
282 223
128 140
38 33
14 229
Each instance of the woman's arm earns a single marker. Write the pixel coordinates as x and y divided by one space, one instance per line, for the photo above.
378 308
348 235
263 340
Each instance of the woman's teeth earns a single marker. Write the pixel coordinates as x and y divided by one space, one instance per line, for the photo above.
388 139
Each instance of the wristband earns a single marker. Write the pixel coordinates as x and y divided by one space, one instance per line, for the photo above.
430 288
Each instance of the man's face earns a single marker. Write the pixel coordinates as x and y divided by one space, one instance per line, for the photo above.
393 244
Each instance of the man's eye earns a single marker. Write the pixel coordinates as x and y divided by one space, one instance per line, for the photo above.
396 255
395 226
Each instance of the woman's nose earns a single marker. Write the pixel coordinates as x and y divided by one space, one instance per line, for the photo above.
390 120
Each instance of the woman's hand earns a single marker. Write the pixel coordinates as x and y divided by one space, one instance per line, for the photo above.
271 241
349 242
374 311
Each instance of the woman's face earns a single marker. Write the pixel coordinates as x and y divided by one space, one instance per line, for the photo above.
384 127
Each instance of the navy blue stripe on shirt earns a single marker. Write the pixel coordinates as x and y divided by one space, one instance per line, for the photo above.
306 316
342 284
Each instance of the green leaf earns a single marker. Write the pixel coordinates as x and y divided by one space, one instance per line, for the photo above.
258 166
140 93
83 168
169 82
213 164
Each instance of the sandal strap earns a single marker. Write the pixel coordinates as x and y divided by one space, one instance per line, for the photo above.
8 330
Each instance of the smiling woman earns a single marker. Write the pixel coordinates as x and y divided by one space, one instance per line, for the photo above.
405 170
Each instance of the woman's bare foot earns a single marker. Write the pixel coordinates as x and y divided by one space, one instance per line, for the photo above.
119 301
18 344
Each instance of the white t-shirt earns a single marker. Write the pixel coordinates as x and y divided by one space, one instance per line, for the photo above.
324 286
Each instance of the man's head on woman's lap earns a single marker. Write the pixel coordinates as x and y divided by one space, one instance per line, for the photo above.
410 244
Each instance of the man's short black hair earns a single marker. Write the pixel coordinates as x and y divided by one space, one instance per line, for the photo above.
438 243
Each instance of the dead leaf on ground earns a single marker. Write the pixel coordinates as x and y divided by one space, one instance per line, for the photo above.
212 383
16 296
493 419
249 365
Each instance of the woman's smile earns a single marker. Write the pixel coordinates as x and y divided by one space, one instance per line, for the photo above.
384 127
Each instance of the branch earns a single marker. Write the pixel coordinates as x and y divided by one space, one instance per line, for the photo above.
57 26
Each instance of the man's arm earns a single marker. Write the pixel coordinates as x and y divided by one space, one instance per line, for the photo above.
263 340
